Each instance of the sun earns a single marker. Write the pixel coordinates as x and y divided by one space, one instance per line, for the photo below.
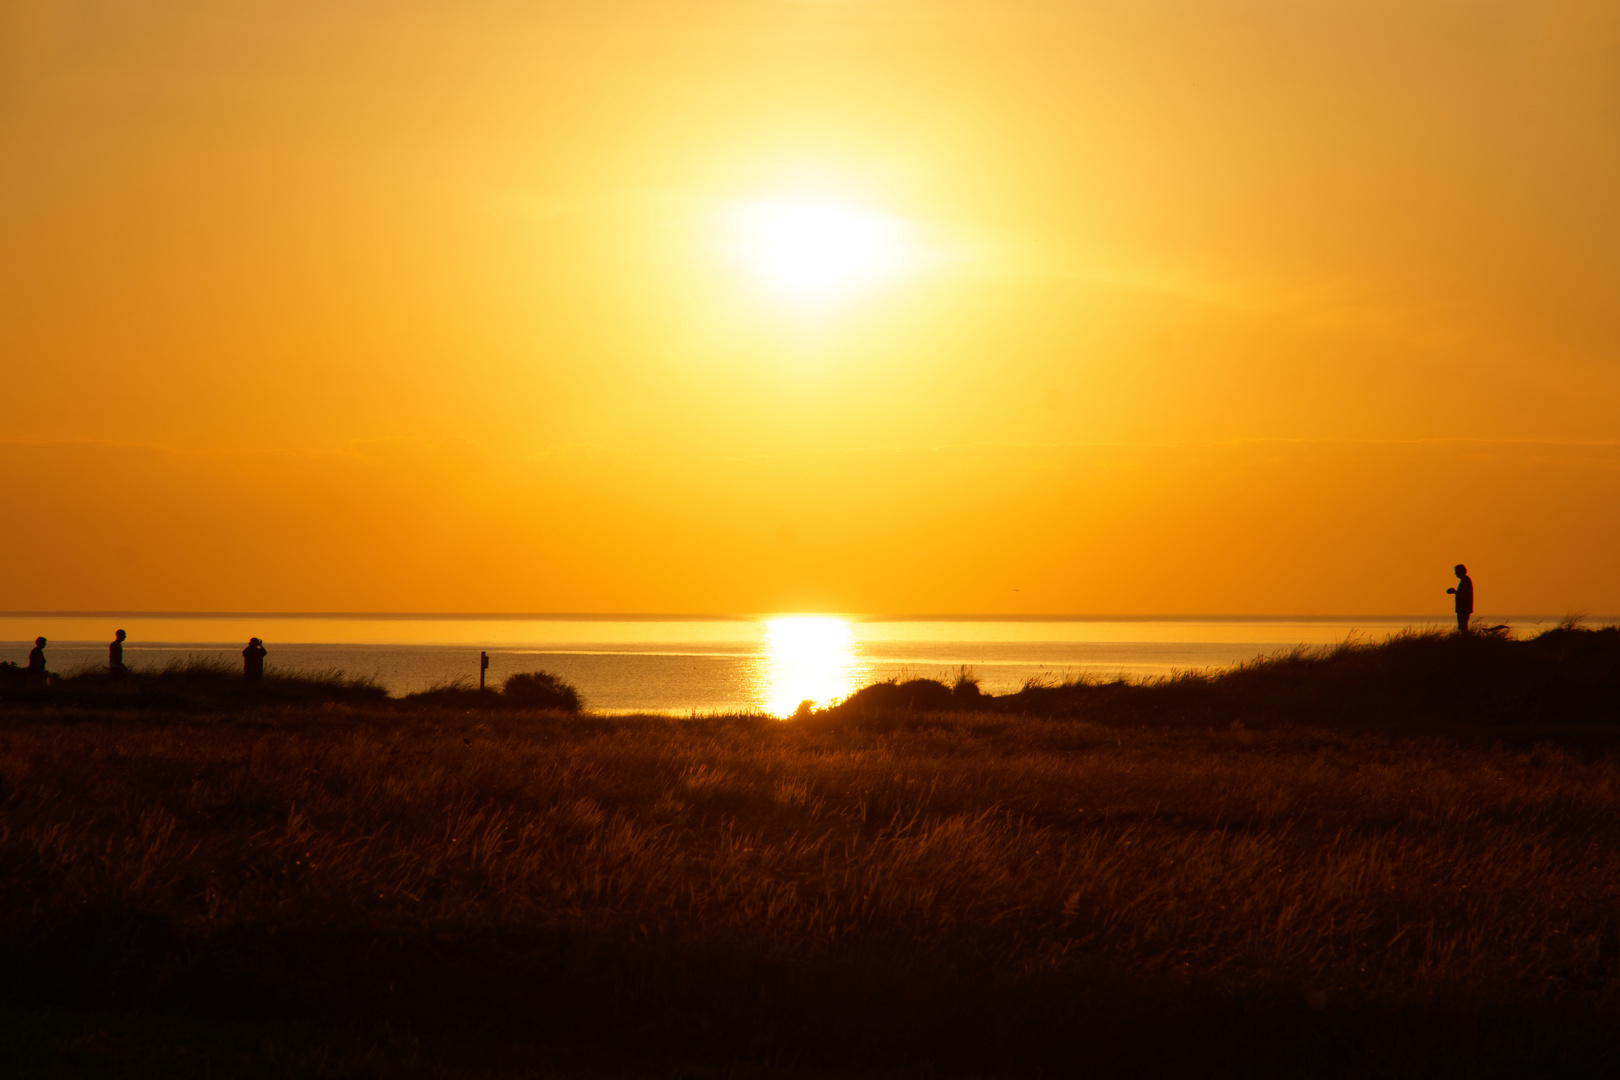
807 658
812 250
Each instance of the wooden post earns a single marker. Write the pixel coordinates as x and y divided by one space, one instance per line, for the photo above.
483 666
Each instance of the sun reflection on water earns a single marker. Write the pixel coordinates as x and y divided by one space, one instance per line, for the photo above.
807 658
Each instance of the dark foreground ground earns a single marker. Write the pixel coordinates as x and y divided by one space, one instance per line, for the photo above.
1391 861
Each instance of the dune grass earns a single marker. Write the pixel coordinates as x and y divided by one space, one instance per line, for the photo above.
891 889
1555 684
190 684
210 683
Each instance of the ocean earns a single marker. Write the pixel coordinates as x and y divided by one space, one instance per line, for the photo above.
686 665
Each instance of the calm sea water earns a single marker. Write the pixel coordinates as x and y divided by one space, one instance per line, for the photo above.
680 666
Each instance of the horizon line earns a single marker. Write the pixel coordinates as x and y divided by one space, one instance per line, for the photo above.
572 616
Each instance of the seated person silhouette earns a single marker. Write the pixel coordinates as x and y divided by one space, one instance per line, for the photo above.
115 656
37 677
1465 597
253 660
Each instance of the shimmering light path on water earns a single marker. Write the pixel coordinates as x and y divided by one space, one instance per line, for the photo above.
683 665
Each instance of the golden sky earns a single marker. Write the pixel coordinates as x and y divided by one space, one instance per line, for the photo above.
1157 306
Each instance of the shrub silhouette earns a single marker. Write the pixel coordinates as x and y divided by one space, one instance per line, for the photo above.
541 690
965 690
913 695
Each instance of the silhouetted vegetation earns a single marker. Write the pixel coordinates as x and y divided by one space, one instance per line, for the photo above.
1563 684
526 690
1430 682
1123 880
210 684
541 690
190 684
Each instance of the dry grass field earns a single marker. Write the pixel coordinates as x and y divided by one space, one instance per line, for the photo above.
291 886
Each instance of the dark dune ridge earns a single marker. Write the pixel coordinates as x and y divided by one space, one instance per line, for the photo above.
1390 859
1562 679
209 684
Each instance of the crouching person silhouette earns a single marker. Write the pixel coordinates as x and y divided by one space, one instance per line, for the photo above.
1465 597
253 660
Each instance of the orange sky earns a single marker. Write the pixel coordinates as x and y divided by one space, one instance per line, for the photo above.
1227 306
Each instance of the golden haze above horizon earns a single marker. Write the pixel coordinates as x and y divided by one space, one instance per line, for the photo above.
810 305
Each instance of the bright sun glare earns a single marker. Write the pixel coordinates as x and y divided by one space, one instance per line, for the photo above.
818 250
807 658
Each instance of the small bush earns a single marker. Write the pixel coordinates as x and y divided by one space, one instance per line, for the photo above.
541 690
912 696
966 687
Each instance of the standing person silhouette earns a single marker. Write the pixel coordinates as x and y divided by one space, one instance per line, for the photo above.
1465 596
37 679
115 656
253 660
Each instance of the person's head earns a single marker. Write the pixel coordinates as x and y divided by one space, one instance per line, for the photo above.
254 641
1460 570
40 642
120 635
